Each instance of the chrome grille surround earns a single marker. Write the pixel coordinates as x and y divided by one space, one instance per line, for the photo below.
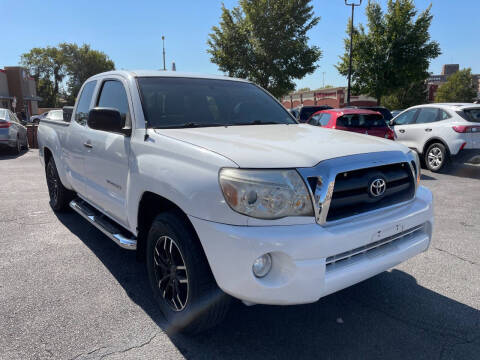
320 179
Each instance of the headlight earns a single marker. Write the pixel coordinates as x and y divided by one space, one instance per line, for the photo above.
416 165
266 194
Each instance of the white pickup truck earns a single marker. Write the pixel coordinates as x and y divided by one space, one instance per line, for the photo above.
224 194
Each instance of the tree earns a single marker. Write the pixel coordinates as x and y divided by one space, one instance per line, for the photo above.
47 67
265 41
405 97
82 62
50 66
304 89
458 88
394 53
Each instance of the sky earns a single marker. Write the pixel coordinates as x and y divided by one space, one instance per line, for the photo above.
130 32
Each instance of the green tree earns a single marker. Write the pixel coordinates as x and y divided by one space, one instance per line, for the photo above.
394 53
405 97
47 67
304 89
50 66
82 62
266 42
458 88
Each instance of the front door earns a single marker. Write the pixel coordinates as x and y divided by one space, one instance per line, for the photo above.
107 156
402 125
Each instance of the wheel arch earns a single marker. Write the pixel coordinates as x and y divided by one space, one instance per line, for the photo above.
435 140
150 205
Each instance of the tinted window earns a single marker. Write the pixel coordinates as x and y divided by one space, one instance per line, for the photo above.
323 119
361 121
176 102
406 117
427 115
83 107
473 114
306 112
113 95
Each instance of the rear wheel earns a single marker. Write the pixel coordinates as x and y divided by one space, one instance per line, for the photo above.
180 276
436 157
60 196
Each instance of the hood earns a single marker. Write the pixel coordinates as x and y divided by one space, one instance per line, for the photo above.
280 146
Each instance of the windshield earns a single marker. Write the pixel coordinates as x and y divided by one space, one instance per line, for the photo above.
186 102
361 121
307 112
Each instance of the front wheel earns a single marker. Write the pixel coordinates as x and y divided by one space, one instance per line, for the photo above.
180 276
436 157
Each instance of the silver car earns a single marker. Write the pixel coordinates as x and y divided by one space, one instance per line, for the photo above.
13 134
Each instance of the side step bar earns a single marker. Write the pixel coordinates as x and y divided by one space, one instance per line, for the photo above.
104 224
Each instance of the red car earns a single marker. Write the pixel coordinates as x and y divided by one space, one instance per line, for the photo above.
357 120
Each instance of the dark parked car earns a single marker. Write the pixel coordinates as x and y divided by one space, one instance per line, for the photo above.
387 115
302 113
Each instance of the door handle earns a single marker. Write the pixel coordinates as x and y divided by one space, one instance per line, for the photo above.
428 129
402 131
88 145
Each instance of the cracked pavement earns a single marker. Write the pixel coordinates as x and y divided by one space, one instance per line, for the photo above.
67 292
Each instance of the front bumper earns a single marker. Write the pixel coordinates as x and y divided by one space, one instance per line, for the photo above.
299 273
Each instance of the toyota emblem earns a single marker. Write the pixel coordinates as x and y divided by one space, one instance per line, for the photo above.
377 187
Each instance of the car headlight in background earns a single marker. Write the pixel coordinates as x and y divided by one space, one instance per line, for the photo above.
266 194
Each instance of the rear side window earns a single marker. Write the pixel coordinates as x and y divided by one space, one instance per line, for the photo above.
472 114
361 121
113 95
427 115
84 101
405 118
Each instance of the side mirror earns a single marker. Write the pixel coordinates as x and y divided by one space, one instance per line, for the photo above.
67 113
107 119
391 122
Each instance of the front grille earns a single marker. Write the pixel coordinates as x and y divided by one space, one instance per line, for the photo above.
407 234
352 191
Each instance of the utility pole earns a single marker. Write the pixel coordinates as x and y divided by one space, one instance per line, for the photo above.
323 73
163 41
352 4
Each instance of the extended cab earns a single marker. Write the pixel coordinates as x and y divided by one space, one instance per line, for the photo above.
221 191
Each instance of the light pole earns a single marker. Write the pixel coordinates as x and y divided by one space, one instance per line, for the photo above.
163 41
352 4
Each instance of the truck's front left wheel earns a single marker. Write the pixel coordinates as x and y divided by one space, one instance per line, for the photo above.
180 277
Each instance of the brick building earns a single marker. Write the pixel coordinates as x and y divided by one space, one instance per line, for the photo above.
335 97
15 82
434 81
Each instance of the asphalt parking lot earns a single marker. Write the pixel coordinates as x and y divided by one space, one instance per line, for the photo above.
67 292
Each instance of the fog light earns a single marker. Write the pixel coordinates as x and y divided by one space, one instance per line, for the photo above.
262 265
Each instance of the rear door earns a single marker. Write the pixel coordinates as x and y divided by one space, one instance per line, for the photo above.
402 125
107 157
74 148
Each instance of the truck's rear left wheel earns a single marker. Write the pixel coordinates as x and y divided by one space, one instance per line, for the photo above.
60 196
180 277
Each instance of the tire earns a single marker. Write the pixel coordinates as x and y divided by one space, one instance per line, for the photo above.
18 146
60 196
436 157
26 147
199 304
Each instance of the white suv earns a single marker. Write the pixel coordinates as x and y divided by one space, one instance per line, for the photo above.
440 132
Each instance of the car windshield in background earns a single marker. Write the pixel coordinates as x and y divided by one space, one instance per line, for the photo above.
55 115
361 121
473 114
171 102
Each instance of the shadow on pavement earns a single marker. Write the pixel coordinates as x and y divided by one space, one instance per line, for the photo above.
7 154
389 316
426 177
470 171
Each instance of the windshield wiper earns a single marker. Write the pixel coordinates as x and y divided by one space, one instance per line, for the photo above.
189 125
260 122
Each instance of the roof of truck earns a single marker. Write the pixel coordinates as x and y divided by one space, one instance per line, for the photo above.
164 73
